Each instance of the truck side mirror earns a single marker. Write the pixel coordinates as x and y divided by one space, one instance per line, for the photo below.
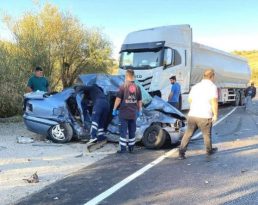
168 57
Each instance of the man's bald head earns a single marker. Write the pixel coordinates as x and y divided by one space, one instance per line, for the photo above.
208 74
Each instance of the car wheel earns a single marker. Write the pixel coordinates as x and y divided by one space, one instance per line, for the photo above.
61 133
154 137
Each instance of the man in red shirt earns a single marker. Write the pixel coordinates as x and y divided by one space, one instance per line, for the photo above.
129 98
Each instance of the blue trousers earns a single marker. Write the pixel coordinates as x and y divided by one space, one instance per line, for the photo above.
127 126
99 119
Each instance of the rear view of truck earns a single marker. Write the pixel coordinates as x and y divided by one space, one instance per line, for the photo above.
158 53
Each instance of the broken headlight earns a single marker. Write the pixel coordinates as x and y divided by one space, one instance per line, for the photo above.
58 111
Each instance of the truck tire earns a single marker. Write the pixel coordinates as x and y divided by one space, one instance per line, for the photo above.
154 137
61 133
242 98
238 98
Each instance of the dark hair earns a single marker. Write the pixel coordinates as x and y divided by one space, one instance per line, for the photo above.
172 77
130 72
38 68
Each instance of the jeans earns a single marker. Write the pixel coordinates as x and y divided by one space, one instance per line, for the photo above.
248 102
205 125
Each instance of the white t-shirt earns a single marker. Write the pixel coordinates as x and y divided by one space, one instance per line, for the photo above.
202 94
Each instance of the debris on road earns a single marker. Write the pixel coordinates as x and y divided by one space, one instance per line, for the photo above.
206 182
79 155
244 170
94 146
56 198
24 140
2 148
33 179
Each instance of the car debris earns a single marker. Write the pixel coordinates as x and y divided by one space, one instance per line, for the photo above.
94 146
33 179
2 148
244 170
24 140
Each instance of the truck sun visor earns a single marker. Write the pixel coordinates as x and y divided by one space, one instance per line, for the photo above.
143 46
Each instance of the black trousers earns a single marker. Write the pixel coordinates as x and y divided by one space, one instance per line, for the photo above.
205 125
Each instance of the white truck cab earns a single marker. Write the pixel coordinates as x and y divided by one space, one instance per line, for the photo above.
156 54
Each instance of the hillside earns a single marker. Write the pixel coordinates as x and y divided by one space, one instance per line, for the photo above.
252 57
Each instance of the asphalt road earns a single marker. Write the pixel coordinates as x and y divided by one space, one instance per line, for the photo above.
228 177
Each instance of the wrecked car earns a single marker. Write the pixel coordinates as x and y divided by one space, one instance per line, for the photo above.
61 116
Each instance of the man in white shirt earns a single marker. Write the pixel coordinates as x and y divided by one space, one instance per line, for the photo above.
203 99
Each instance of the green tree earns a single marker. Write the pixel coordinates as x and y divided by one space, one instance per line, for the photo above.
55 40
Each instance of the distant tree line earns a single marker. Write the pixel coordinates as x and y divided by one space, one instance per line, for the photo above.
252 57
57 42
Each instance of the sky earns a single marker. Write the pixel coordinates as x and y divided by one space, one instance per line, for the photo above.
224 24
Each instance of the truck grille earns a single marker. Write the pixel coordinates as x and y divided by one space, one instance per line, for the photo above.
146 83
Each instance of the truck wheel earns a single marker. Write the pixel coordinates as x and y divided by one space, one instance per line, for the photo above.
154 137
242 99
61 133
238 98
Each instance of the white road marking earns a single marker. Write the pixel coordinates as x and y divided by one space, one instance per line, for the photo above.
197 136
138 173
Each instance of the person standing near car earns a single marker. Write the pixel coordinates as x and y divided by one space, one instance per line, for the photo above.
100 112
250 93
174 96
129 98
38 82
203 112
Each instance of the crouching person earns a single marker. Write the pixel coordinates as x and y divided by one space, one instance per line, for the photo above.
99 113
129 98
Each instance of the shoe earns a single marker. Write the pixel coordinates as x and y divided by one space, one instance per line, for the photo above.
131 150
121 151
93 140
213 151
181 157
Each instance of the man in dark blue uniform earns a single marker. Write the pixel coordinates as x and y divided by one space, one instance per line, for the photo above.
129 98
99 113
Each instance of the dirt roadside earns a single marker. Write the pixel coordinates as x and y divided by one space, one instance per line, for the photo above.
51 161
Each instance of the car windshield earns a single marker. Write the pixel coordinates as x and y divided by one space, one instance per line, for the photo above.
144 59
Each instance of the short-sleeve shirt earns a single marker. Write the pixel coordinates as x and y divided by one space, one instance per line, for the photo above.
130 95
202 94
176 90
38 83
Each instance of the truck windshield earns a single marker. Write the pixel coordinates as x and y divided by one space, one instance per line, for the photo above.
140 59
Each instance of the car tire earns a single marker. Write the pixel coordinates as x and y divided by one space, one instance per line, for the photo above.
154 137
61 133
